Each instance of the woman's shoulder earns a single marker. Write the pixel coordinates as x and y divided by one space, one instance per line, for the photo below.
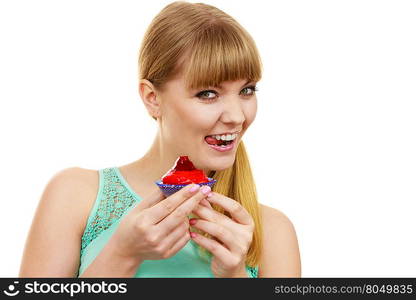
77 176
276 221
53 244
269 212
280 255
75 180
75 188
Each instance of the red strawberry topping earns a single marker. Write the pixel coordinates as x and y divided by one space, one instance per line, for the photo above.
184 172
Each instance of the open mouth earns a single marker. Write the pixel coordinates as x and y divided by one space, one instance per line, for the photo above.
218 142
221 141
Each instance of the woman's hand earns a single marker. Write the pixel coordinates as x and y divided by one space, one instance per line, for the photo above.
157 228
232 237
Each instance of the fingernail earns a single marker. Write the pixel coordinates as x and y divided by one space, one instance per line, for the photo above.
210 194
192 221
206 189
194 188
193 234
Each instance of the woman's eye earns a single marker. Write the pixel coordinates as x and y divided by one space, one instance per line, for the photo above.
210 95
252 88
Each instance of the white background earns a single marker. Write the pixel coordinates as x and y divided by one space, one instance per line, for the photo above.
333 145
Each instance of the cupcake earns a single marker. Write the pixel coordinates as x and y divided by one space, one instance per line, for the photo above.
182 174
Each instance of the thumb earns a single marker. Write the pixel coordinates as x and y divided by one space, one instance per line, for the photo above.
155 197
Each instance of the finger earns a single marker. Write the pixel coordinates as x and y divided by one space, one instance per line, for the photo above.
183 210
205 202
172 238
179 244
220 232
196 211
215 217
151 200
237 211
165 207
218 250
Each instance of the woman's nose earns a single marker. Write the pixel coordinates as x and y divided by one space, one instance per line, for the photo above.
233 111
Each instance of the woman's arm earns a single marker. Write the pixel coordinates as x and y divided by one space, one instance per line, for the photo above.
280 256
53 244
109 263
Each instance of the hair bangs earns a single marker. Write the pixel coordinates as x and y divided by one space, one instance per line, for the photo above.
218 54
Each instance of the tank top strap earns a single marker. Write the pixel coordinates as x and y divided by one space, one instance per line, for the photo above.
112 201
253 272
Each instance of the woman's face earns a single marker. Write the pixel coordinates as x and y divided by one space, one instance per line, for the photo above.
187 117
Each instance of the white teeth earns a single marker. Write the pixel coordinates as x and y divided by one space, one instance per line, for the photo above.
226 137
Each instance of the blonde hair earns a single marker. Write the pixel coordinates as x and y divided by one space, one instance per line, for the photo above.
208 47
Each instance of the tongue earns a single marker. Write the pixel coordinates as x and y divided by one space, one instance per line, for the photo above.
212 141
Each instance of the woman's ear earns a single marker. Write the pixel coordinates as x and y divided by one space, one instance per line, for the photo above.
148 94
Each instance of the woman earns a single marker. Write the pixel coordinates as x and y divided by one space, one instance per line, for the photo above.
198 71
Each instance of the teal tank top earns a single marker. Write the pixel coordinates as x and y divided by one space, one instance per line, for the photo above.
114 200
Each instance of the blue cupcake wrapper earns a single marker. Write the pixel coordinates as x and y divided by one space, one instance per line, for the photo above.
169 189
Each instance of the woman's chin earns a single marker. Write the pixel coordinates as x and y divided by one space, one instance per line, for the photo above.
210 160
217 164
